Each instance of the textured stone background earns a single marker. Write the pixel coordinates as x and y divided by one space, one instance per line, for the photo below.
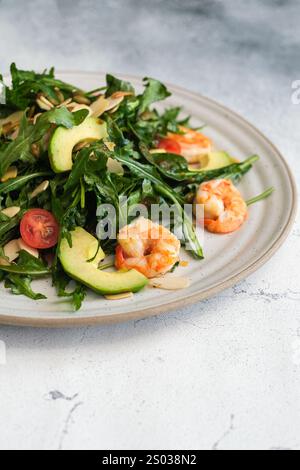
222 374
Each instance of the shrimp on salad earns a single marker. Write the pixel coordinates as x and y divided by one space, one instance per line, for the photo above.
225 210
147 247
192 145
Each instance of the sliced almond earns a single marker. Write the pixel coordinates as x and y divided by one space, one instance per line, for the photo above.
35 150
31 112
157 151
11 173
14 118
53 101
11 250
110 146
8 129
119 94
35 118
99 106
23 246
81 99
81 145
78 107
45 106
4 262
46 101
39 189
125 295
15 134
170 283
65 103
183 264
11 211
114 102
113 110
113 166
59 95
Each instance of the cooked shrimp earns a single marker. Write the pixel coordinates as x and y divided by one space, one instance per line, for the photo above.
224 207
192 145
147 247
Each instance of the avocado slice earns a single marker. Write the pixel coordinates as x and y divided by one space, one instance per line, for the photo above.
215 160
75 262
64 140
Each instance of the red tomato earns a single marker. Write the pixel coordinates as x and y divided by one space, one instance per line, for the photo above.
39 229
170 145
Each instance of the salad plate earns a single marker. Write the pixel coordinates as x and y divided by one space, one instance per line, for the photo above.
228 259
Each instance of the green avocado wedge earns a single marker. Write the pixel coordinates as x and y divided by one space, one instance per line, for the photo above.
81 263
215 160
64 140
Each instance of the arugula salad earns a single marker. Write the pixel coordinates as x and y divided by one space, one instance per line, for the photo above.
66 154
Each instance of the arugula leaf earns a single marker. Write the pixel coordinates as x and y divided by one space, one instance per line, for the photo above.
267 193
17 183
149 172
176 167
233 172
27 265
89 161
21 285
27 84
61 117
170 165
4 218
61 282
8 226
154 91
78 296
20 148
115 84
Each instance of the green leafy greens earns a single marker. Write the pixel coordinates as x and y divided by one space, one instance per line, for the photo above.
147 177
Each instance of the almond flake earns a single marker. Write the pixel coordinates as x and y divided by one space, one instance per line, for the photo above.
11 211
13 119
35 150
11 173
110 146
119 94
79 107
39 189
59 95
157 151
81 145
24 247
170 283
44 103
99 106
125 295
184 264
65 103
113 103
81 99
113 166
35 118
11 250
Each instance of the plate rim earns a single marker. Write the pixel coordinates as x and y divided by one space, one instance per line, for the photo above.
94 320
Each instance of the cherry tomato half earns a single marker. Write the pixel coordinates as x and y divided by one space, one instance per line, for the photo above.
39 229
170 145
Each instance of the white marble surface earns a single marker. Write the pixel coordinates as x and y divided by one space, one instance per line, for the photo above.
225 373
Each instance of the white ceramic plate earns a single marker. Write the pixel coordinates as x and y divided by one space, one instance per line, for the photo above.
228 259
